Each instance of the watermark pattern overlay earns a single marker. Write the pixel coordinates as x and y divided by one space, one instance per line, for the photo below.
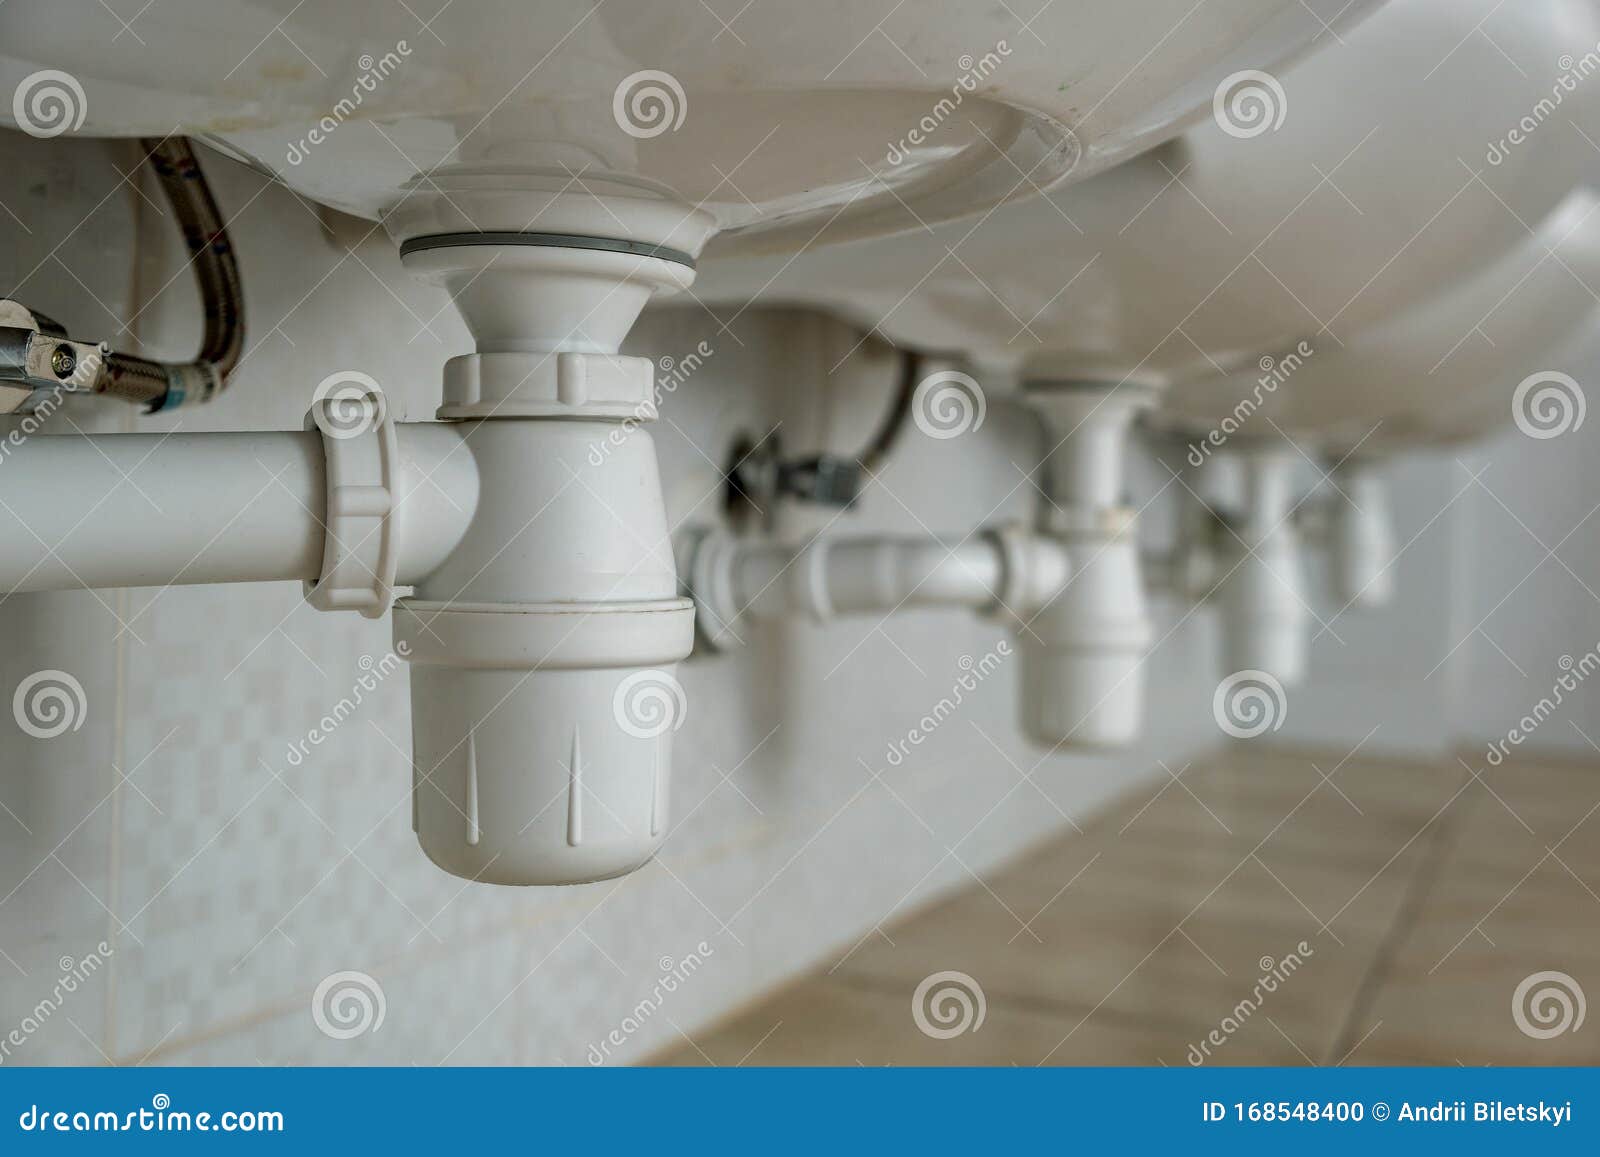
1248 103
84 372
1573 73
673 373
1249 703
648 704
948 1004
674 973
1548 404
348 1004
948 404
74 975
159 1117
1574 672
974 71
374 672
1275 371
973 672
1548 1004
373 71
648 103
31 423
48 103
1274 974
49 703
348 404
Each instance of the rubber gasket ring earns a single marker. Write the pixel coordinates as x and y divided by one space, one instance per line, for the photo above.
548 240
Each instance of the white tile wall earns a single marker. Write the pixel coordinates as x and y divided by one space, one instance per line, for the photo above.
1390 669
229 882
1535 596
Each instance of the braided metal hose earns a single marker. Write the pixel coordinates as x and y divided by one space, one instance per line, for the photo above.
166 385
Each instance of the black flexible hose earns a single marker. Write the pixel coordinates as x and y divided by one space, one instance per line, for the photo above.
877 450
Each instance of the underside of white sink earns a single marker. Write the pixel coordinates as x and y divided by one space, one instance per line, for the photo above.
1447 369
1376 192
787 124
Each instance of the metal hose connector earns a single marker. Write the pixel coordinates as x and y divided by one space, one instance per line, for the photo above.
167 385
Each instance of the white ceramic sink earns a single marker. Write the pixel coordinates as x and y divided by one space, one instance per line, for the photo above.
776 118
1374 193
1444 370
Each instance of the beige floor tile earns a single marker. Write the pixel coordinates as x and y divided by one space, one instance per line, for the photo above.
1373 784
1206 871
1497 911
1461 1013
1128 960
1522 811
1364 827
1423 898
1546 912
830 1022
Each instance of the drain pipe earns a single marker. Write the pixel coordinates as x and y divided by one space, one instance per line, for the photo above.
1261 594
1005 571
1072 587
128 510
544 648
1361 543
545 623
1191 566
1246 558
1083 653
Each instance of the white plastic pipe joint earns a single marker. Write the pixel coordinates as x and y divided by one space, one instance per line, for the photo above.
545 622
1262 596
543 686
1004 571
1362 542
544 649
1072 588
1083 653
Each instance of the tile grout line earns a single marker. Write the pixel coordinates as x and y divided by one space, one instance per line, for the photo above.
1426 875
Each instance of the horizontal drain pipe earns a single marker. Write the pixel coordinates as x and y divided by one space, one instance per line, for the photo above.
1006 570
1071 587
129 510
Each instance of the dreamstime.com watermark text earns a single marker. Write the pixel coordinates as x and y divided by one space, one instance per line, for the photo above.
375 671
1573 73
973 73
674 372
972 673
1573 673
1274 973
74 975
373 70
674 973
1274 373
158 1117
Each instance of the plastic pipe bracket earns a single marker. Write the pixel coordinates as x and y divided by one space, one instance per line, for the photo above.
360 552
